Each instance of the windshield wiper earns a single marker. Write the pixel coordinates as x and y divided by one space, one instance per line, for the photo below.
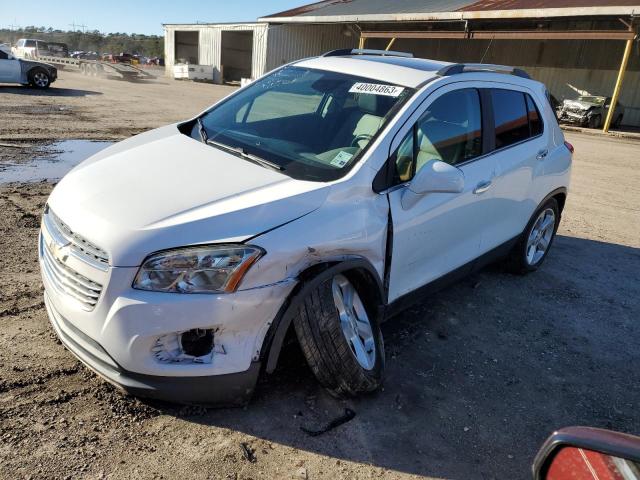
246 155
203 132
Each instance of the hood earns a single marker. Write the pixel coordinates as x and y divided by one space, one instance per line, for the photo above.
162 189
581 104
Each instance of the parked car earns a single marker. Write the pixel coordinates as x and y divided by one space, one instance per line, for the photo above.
590 111
30 48
322 197
155 61
58 49
27 72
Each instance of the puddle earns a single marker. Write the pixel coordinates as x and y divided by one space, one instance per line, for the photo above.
59 158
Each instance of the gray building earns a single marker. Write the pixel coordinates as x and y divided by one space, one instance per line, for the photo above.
573 46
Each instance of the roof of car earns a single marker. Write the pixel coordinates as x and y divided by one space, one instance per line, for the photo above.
403 69
408 72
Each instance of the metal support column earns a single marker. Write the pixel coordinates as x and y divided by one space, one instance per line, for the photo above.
616 91
361 42
390 44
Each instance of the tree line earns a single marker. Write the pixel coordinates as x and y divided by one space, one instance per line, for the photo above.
91 41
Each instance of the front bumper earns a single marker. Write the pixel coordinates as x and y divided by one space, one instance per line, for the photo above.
116 338
220 390
574 118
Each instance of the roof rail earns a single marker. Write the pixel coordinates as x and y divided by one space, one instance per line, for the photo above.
365 51
481 67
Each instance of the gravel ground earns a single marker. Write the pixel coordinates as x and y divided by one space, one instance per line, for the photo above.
477 375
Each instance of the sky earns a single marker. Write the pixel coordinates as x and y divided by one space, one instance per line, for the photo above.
134 16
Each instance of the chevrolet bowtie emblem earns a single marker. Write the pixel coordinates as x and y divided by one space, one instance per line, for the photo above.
60 251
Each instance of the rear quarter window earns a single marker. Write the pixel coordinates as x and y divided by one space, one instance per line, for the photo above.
535 120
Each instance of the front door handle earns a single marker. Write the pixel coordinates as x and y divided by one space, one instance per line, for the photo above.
482 187
542 154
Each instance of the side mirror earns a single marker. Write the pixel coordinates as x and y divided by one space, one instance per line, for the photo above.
587 453
434 177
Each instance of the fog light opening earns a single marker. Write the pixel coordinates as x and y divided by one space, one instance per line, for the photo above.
197 342
193 346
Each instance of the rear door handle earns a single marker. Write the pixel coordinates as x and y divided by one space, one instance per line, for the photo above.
542 154
482 187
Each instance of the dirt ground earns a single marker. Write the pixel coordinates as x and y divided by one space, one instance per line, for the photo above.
477 375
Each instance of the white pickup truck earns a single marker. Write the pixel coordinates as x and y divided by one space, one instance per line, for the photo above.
27 72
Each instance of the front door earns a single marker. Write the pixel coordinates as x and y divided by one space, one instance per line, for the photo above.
441 232
9 68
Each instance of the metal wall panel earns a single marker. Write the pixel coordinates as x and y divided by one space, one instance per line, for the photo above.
564 66
169 50
565 82
287 43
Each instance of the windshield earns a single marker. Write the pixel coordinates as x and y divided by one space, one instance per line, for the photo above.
591 99
313 125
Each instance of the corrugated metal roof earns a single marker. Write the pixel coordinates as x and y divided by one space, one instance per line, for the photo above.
366 7
327 9
482 5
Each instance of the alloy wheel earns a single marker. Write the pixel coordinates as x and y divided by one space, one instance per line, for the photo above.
41 79
540 236
354 321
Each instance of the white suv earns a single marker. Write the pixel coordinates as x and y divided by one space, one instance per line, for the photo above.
320 198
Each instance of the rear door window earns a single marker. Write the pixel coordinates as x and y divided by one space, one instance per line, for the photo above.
511 117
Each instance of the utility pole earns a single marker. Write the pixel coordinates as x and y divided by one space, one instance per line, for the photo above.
75 27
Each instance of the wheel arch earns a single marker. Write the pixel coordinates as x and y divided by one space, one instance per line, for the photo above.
35 69
358 269
560 196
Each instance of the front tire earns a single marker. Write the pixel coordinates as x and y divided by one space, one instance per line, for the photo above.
340 338
39 78
534 244
595 122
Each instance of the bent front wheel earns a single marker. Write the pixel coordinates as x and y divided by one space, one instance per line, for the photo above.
340 338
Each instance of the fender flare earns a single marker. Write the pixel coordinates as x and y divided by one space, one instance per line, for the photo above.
308 280
562 190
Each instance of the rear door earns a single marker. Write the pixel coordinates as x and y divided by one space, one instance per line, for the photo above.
441 232
521 147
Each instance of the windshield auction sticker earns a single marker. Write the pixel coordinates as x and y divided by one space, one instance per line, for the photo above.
376 89
341 159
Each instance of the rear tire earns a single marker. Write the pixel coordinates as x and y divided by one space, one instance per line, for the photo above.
39 78
535 242
340 338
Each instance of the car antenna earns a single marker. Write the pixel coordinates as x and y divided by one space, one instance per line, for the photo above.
487 50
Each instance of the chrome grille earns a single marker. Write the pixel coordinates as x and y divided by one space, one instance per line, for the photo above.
80 246
68 281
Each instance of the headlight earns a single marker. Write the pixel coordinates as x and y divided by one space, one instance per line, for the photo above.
201 269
